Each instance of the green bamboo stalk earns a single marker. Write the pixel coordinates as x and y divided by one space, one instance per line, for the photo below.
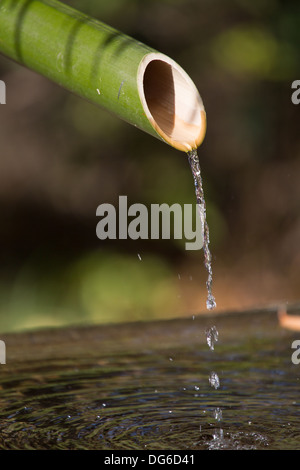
108 68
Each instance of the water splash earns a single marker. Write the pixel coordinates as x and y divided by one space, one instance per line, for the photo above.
195 167
212 336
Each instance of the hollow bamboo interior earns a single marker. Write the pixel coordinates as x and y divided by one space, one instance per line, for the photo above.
171 102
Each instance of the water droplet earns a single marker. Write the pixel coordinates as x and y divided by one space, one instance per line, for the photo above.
212 336
139 257
211 303
214 380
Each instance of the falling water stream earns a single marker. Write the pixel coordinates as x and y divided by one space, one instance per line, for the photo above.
195 167
212 333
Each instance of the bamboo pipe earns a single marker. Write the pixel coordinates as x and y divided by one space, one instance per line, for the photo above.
112 70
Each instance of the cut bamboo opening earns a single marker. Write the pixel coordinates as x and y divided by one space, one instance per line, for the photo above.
171 102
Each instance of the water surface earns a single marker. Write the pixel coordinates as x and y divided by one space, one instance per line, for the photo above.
146 386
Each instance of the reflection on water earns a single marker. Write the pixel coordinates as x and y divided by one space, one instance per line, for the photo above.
115 387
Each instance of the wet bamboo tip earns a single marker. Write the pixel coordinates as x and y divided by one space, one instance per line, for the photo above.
171 102
288 321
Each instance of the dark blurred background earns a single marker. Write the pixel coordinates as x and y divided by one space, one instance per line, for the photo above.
61 157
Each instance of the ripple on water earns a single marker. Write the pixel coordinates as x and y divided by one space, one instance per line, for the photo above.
103 389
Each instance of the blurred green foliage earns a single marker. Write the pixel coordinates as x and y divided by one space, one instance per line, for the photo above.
61 157
255 52
100 286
